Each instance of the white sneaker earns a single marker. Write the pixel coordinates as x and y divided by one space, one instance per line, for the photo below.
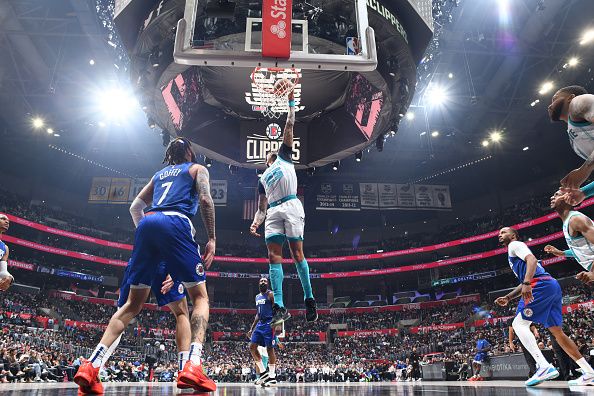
584 380
543 374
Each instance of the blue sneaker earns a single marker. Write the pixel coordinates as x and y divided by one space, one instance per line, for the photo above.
584 380
543 374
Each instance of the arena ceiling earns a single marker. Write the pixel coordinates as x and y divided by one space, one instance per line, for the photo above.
497 63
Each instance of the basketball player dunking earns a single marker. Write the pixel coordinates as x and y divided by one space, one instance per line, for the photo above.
166 234
575 106
285 219
6 278
541 302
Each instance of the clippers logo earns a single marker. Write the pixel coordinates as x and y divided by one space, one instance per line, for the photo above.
180 289
274 131
528 312
200 269
279 29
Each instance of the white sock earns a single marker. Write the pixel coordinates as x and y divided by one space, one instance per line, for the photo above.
260 366
271 370
110 350
183 358
98 354
196 353
585 366
522 329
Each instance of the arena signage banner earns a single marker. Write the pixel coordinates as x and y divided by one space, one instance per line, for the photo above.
257 139
471 277
366 333
382 196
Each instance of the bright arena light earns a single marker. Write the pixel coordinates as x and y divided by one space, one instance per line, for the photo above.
38 122
436 95
410 116
435 133
50 130
587 37
116 104
495 136
573 61
485 143
546 87
526 148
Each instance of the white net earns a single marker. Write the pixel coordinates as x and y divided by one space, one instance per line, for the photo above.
273 86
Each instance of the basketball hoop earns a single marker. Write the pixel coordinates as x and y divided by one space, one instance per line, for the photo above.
274 85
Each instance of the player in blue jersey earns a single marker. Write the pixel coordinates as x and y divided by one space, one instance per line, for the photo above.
262 334
541 302
482 353
6 278
283 213
166 234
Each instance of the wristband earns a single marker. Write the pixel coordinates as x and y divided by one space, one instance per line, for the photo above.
568 253
526 283
588 190
292 103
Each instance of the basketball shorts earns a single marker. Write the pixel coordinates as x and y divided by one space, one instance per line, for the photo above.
263 335
175 294
480 357
546 308
165 237
285 221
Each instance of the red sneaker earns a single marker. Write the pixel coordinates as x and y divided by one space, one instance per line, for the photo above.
479 378
181 385
193 375
473 378
87 379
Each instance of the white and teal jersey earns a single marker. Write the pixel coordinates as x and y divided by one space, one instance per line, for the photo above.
279 181
582 250
581 137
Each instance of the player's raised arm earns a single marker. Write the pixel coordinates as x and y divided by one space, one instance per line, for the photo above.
581 109
142 200
207 211
585 227
288 133
6 278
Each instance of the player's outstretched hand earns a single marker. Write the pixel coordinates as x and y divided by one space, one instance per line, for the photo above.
527 294
209 253
254 230
573 196
167 285
502 301
585 276
575 178
550 249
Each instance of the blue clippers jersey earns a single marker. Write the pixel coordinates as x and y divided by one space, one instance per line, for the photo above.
482 344
264 307
2 249
519 267
174 190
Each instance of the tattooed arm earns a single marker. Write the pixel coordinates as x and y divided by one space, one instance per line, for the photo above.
207 211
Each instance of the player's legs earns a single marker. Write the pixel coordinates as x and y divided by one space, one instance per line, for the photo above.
296 247
275 258
257 358
571 349
198 320
183 331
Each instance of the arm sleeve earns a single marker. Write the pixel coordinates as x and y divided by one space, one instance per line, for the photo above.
285 152
519 249
588 190
568 253
261 189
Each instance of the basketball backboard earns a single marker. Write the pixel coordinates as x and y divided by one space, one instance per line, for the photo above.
323 34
